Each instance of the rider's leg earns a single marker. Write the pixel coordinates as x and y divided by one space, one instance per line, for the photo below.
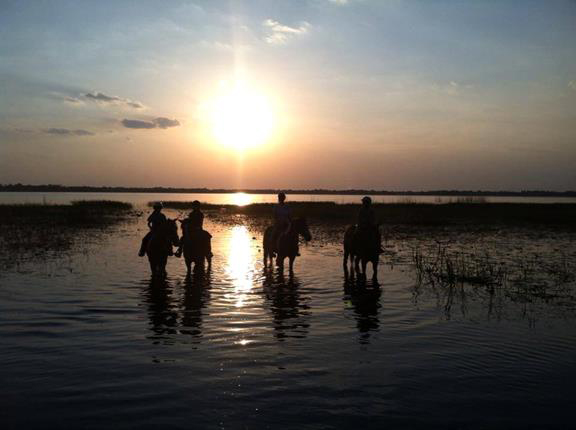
144 244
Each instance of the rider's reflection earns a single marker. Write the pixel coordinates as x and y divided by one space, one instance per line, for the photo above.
290 311
365 302
163 318
196 297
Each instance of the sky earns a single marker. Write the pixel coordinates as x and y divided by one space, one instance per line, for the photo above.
378 94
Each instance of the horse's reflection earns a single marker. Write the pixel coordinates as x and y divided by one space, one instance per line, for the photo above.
365 301
290 311
196 297
162 316
176 310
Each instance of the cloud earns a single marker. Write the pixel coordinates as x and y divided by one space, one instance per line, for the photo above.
280 34
451 88
340 2
159 122
104 99
572 85
67 132
166 122
72 101
136 123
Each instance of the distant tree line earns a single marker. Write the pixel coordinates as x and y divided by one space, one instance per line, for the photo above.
90 189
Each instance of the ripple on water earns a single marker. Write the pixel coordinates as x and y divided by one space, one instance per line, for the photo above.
243 346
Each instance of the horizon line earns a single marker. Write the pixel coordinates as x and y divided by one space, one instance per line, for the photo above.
319 191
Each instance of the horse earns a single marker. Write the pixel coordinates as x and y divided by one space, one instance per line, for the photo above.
197 248
286 244
361 246
163 238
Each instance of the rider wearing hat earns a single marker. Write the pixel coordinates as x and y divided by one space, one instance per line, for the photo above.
154 220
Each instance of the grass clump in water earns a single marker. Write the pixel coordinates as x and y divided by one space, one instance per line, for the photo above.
34 230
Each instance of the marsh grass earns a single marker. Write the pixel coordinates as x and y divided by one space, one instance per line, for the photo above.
463 211
37 230
524 278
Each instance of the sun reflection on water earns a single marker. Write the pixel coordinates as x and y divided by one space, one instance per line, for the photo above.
241 199
240 267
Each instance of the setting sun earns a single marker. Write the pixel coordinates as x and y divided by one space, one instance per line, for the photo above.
241 117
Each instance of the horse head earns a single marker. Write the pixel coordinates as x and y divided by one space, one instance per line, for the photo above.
301 227
170 230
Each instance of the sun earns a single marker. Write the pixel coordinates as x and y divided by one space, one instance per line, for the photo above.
241 117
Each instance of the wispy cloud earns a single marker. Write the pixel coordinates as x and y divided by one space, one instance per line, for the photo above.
104 99
572 85
67 132
280 34
72 101
159 122
451 88
340 2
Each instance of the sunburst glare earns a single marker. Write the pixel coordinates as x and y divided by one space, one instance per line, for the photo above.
241 116
241 199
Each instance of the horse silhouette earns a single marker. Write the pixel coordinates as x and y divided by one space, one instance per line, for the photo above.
197 248
361 247
159 246
286 245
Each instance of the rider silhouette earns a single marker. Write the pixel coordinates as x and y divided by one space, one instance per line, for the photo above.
367 223
195 221
154 220
282 217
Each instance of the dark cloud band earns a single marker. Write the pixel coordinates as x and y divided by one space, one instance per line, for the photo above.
102 98
68 132
159 122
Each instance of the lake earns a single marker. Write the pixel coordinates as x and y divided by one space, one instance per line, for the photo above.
90 341
245 198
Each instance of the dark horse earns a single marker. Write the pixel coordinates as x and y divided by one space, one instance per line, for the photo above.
361 246
160 246
287 243
197 247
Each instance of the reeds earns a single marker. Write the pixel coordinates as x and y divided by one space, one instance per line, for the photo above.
446 266
33 230
464 211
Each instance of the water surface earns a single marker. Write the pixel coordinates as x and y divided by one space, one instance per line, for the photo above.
89 340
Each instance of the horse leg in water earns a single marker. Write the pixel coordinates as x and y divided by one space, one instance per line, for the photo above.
375 269
162 264
199 264
280 263
364 264
357 265
152 268
188 262
291 263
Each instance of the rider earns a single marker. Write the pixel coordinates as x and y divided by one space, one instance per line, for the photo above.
194 221
367 221
154 220
282 217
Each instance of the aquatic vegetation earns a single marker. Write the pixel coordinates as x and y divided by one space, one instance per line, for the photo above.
37 230
495 277
448 266
462 211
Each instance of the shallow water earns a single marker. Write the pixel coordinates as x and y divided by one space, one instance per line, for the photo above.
90 341
244 198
